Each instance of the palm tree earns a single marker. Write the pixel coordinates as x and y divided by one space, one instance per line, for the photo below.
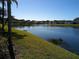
3 16
2 1
0 14
10 45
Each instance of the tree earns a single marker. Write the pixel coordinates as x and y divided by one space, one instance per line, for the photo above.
10 45
76 20
3 12
2 18
0 14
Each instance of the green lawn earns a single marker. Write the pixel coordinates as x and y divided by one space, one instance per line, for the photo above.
65 25
29 46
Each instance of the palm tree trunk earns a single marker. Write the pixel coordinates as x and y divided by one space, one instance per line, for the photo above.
2 16
10 45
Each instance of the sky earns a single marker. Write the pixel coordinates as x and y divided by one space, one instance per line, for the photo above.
46 9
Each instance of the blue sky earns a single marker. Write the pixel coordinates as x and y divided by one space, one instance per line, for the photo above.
46 9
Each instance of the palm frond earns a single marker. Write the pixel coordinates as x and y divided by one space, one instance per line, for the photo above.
15 1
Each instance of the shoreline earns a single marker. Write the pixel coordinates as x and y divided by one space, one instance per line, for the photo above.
29 46
36 44
65 25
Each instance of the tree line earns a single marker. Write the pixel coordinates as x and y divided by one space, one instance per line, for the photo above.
22 22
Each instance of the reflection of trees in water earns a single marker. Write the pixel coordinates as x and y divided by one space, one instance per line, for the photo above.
68 47
76 31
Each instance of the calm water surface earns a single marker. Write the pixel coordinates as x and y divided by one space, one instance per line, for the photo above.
69 35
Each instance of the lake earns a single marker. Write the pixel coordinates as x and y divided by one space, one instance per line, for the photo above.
70 35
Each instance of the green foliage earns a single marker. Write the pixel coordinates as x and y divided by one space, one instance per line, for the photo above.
76 19
65 25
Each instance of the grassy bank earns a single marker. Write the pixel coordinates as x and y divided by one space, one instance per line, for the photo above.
65 25
29 46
